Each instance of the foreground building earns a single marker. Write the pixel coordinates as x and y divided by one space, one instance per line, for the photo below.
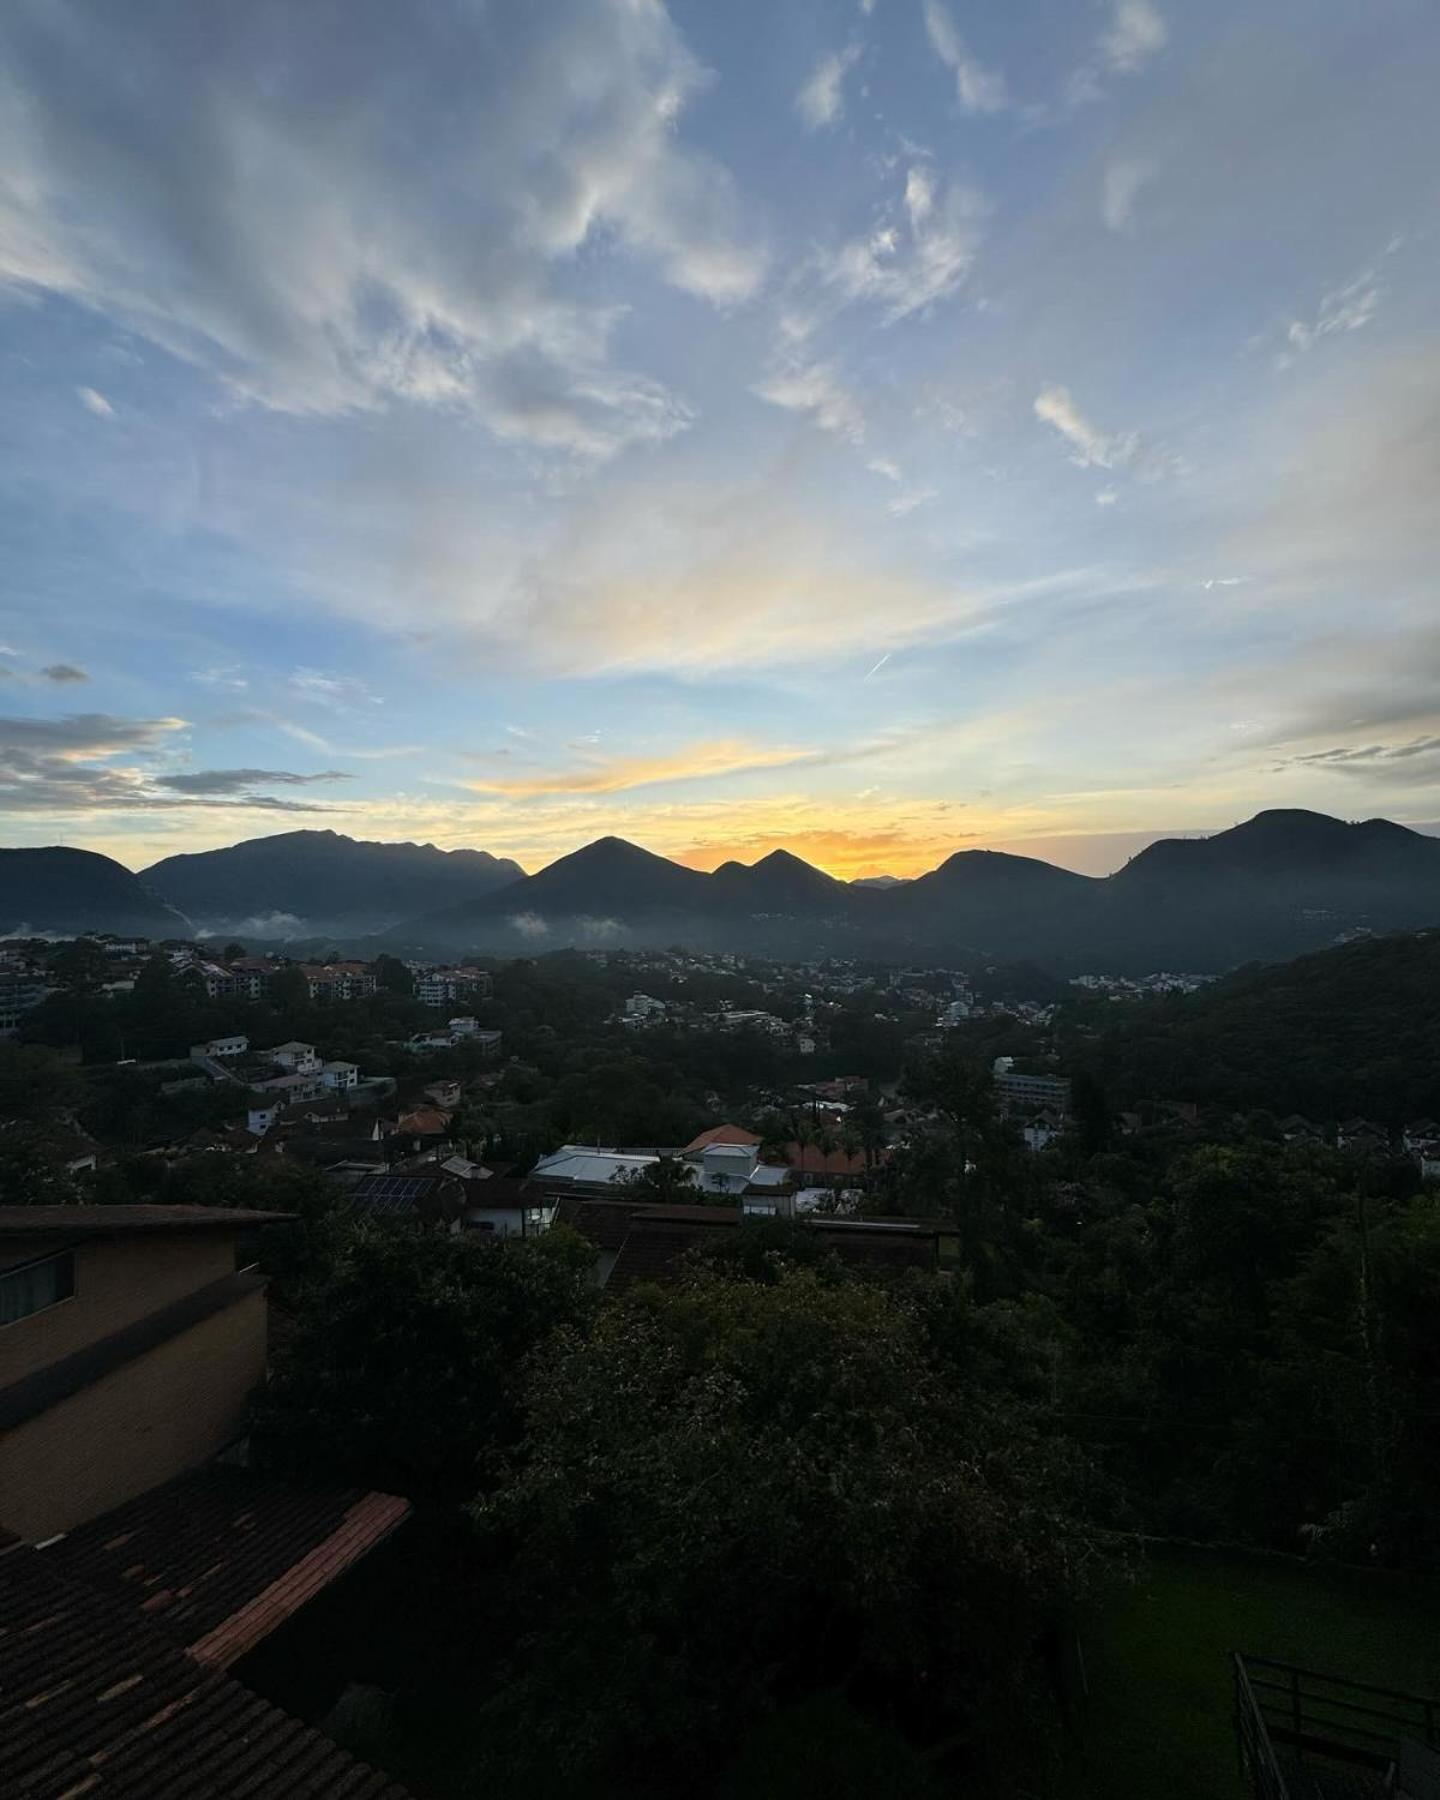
137 1564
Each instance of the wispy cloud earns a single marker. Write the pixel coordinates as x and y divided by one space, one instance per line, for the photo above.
697 762
920 251
416 249
816 389
1136 32
95 402
63 673
978 89
1092 448
1120 188
238 781
821 101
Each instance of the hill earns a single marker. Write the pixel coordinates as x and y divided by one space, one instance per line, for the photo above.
318 883
61 892
1352 1031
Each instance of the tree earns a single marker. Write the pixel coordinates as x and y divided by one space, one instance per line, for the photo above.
404 1364
737 1492
392 977
233 952
666 1182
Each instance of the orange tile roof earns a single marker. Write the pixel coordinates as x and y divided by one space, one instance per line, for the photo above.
720 1134
372 1518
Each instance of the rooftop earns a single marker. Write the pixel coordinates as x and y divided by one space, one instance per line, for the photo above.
105 1221
218 1558
96 1699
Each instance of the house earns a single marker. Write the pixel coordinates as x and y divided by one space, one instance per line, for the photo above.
291 1087
658 1239
1361 1136
1296 1129
338 1076
132 1338
434 1200
1028 1093
443 1093
721 1134
443 987
294 1057
221 1049
577 1169
259 1119
327 982
641 1008
136 1572
735 1169
96 1698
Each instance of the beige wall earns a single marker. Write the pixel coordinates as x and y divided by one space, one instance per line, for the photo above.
117 1281
166 1412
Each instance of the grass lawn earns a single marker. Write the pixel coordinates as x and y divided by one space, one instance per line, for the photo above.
1158 1722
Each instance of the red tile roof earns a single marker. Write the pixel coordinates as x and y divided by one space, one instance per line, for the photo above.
220 1557
720 1134
814 1161
96 1700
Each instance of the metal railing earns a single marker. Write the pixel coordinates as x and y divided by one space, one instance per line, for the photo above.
1258 1766
1308 1713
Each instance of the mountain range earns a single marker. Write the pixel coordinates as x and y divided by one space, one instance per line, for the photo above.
301 884
59 892
1282 883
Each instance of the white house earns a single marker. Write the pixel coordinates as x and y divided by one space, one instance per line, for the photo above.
259 1119
220 1049
340 1075
296 1058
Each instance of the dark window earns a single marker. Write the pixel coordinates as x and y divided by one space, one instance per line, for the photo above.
33 1286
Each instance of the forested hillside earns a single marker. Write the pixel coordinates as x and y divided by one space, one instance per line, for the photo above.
1349 1031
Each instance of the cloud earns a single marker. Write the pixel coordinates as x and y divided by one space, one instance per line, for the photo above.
409 222
529 925
912 498
337 692
821 101
978 89
1414 762
697 762
1120 188
1096 449
693 579
1093 449
815 389
234 781
1345 308
64 672
96 403
1107 496
1136 33
920 251
882 465
67 766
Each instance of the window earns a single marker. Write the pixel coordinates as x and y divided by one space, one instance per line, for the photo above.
33 1286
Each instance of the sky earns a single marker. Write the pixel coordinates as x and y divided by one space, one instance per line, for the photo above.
873 427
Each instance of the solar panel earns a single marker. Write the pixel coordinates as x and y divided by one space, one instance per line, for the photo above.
392 1193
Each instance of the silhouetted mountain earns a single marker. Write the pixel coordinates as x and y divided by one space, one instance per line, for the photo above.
1281 883
604 891
779 883
313 883
1278 885
64 893
879 881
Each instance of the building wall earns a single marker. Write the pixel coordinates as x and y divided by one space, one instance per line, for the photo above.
116 1283
168 1411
